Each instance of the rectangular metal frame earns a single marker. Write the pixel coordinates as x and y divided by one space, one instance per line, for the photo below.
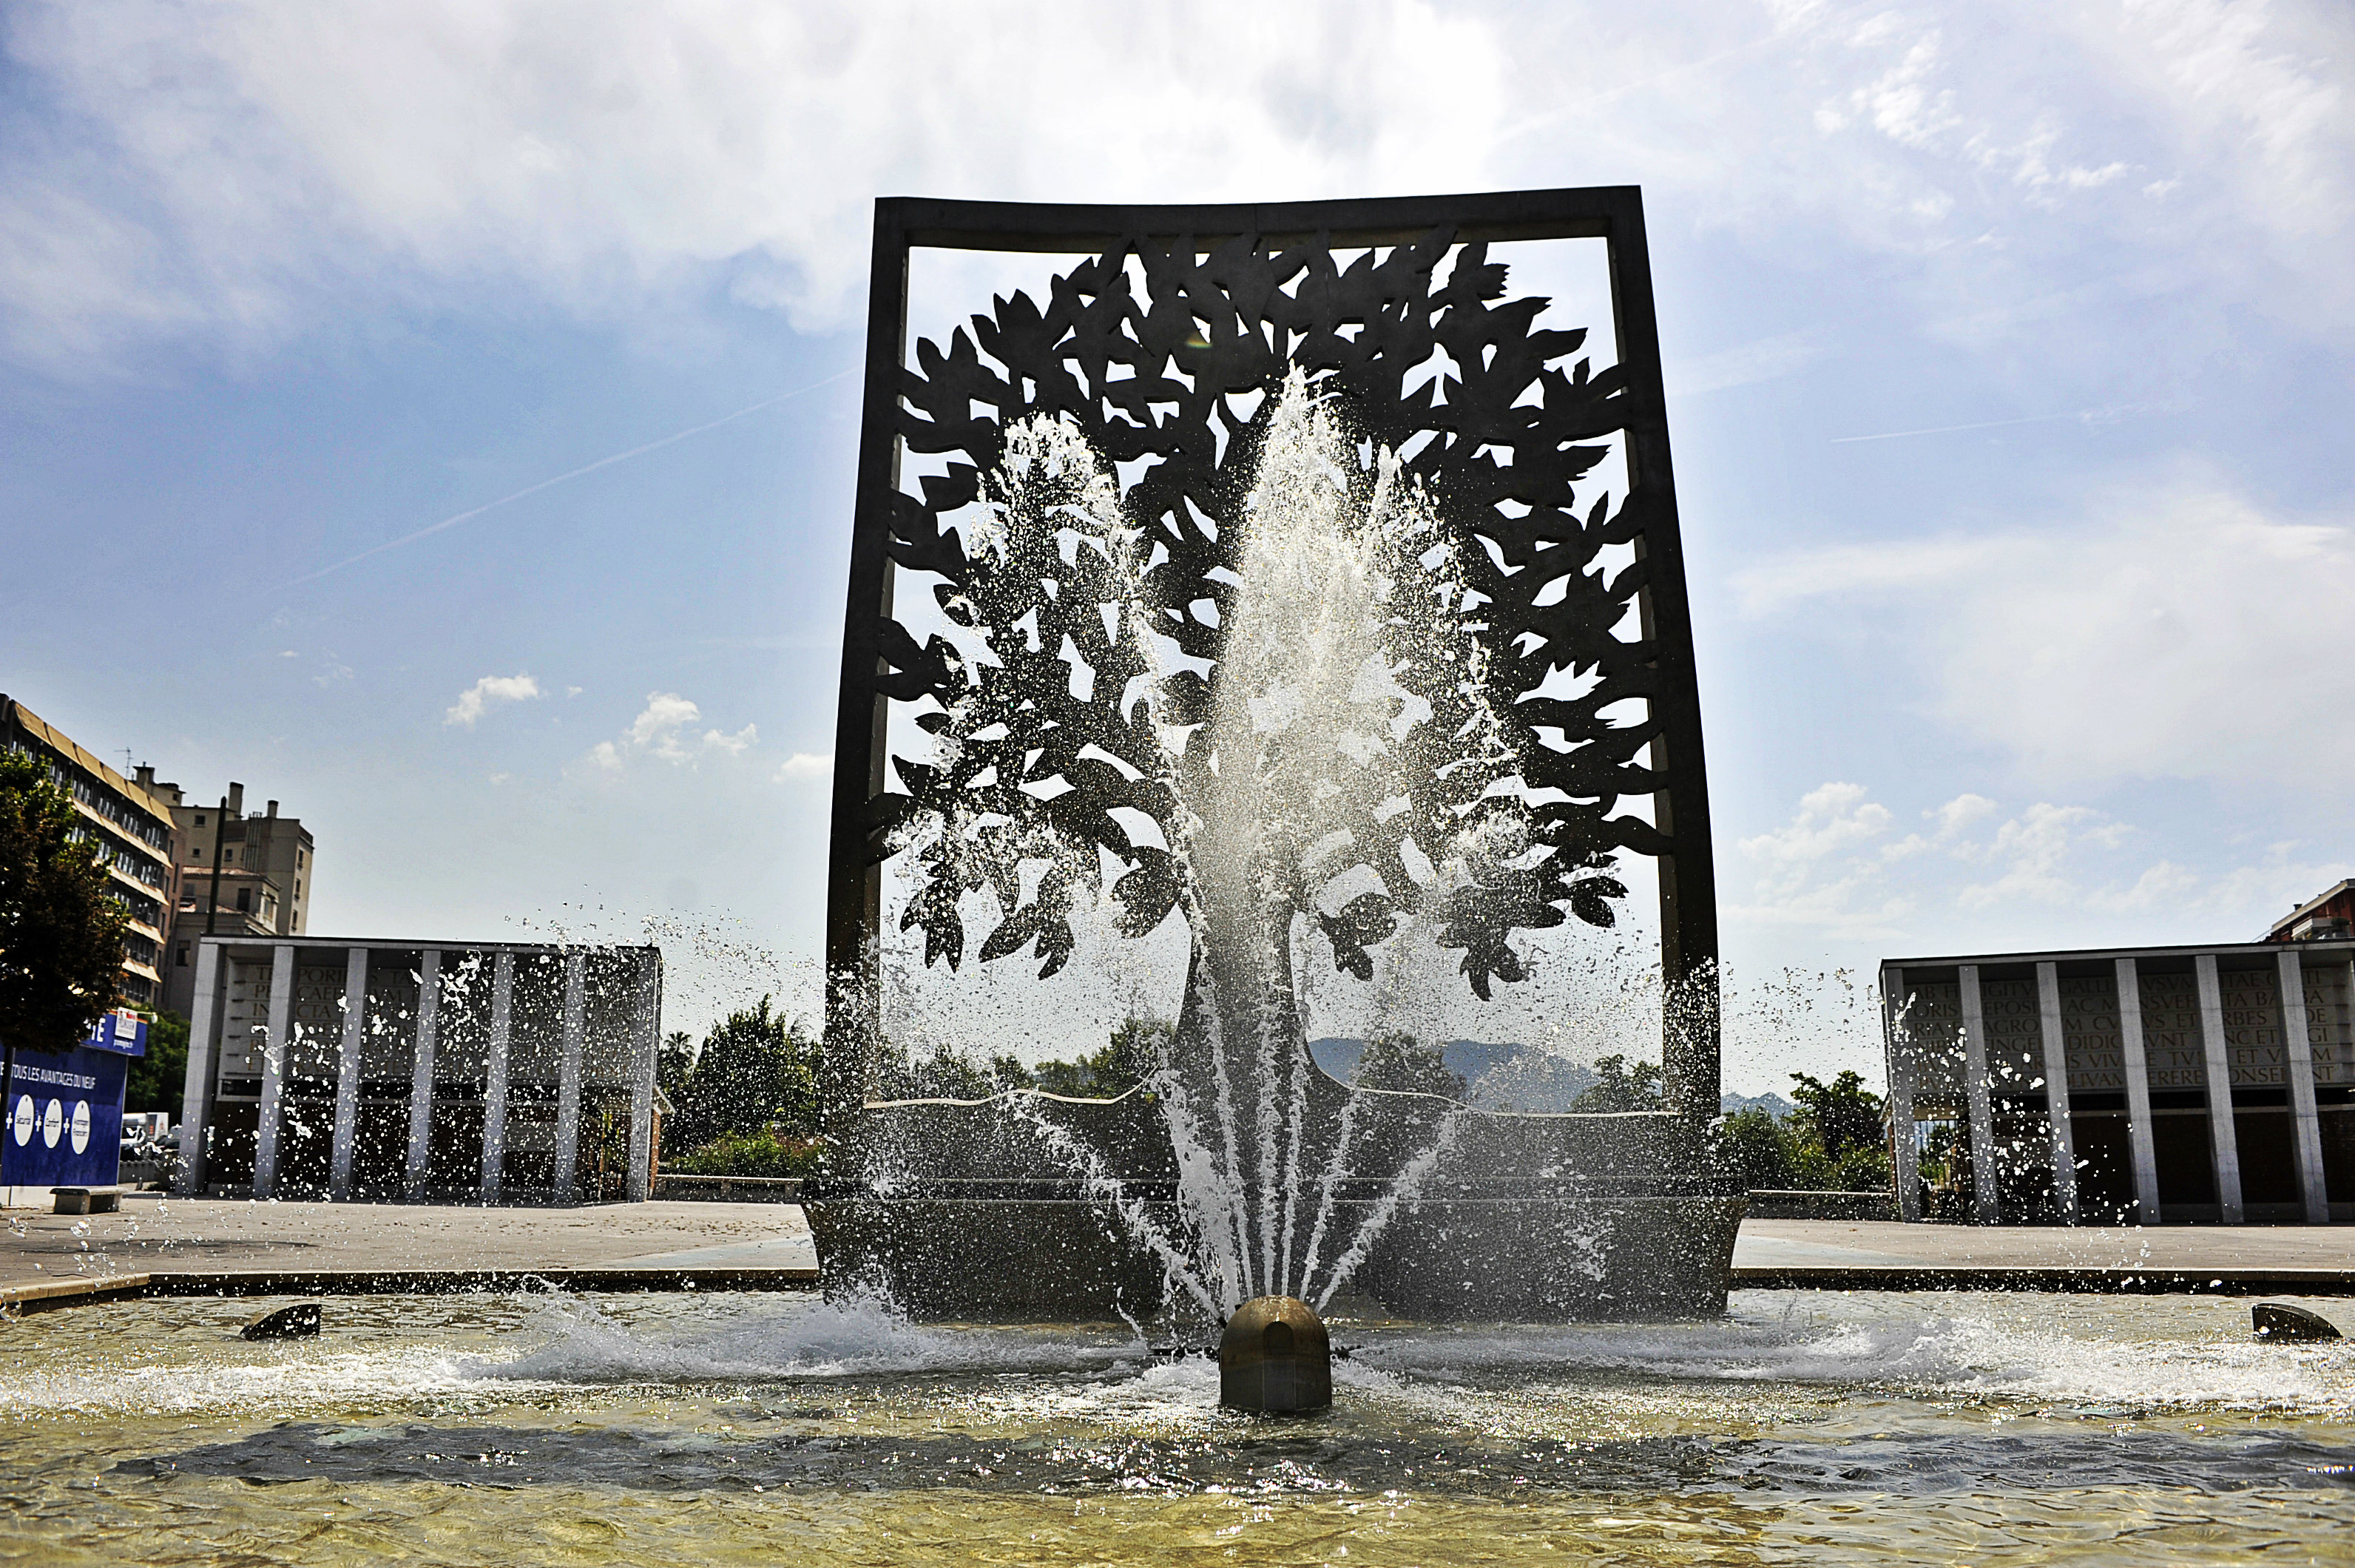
1615 214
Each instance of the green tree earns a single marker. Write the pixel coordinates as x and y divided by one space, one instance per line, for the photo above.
1618 1086
158 1080
1838 1135
1755 1149
756 1071
60 927
676 1063
1400 1062
1136 1049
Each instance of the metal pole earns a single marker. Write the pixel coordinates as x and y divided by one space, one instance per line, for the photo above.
212 898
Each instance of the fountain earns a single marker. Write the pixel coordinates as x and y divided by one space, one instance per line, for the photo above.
1275 598
1333 703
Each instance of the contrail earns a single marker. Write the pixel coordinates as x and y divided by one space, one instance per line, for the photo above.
455 519
1953 429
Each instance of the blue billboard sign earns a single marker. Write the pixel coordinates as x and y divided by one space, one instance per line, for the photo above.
63 1123
121 1032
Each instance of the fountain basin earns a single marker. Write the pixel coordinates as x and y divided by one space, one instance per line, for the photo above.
491 1428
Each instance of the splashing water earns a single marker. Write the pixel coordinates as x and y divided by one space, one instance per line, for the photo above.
1346 778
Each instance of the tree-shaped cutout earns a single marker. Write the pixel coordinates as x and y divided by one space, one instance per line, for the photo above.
1103 679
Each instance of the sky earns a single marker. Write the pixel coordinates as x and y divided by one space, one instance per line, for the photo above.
440 420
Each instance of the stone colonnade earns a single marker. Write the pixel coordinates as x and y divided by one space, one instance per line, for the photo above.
386 1071
2193 1084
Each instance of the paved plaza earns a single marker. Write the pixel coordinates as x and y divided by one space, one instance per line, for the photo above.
1887 1243
199 1246
158 1234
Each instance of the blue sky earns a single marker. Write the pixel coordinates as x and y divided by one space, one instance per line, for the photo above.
2008 351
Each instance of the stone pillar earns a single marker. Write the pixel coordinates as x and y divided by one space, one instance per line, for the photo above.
420 1080
348 1074
2223 1139
273 1069
2305 1121
204 1054
647 1024
2135 1059
1984 1206
1904 1071
568 1090
2056 1092
495 1082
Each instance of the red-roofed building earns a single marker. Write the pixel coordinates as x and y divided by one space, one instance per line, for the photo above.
2329 917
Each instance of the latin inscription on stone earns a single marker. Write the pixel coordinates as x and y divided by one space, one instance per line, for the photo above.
245 1020
318 1020
2015 1036
388 1044
2253 1036
2327 1023
2090 1037
1931 1028
2170 1032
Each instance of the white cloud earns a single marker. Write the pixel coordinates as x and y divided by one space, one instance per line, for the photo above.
239 172
1830 817
2177 632
601 151
478 698
805 765
1960 813
734 745
664 728
2016 880
1822 869
2030 850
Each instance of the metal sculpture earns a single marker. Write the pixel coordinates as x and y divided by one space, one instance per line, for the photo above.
1167 354
1156 374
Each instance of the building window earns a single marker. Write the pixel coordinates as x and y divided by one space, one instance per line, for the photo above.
245 900
200 820
183 959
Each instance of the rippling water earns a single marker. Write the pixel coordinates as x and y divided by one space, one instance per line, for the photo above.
499 1429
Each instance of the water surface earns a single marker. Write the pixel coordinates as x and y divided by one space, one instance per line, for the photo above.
500 1429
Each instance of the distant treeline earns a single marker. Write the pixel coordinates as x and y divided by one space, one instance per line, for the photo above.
745 1102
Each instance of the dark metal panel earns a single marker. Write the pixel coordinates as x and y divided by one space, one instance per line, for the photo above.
1677 767
854 893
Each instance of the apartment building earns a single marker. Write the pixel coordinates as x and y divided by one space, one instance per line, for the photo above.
242 875
131 822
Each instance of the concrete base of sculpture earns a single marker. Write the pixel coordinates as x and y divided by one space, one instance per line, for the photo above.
1564 1258
968 1212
